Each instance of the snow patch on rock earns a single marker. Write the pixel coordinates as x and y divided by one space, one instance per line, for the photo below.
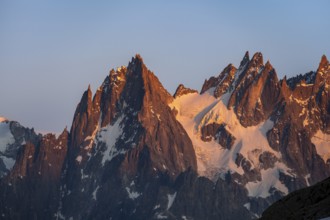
6 139
171 199
131 194
322 144
109 136
247 206
95 192
269 180
79 159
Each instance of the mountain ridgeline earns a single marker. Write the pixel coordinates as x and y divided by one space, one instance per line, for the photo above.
136 152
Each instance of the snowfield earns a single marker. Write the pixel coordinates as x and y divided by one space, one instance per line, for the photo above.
214 161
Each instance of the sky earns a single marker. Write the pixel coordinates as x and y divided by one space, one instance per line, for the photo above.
50 51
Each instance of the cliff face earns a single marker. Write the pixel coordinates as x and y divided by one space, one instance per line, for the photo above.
30 190
136 152
309 96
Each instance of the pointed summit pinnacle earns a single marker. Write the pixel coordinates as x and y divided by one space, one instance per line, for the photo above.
136 62
245 59
324 62
138 57
268 65
257 58
182 90
246 55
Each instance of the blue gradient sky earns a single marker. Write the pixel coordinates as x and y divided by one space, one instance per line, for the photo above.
51 50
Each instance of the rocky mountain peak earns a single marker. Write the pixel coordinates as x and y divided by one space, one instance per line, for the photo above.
222 82
257 60
146 96
143 81
82 124
268 65
249 69
324 63
182 90
245 59
64 134
323 72
137 62
286 91
87 96
256 91
138 57
249 88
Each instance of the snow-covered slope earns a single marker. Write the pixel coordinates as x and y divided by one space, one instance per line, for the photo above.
214 161
253 133
6 139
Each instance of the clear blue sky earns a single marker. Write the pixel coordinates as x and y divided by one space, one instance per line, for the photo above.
51 50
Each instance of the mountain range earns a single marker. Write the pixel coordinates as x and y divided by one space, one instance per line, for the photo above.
134 151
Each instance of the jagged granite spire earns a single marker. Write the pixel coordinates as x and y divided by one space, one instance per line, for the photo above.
255 84
324 63
245 60
182 90
221 83
142 143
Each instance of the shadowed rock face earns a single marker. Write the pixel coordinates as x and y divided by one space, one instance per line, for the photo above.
31 190
214 201
127 157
